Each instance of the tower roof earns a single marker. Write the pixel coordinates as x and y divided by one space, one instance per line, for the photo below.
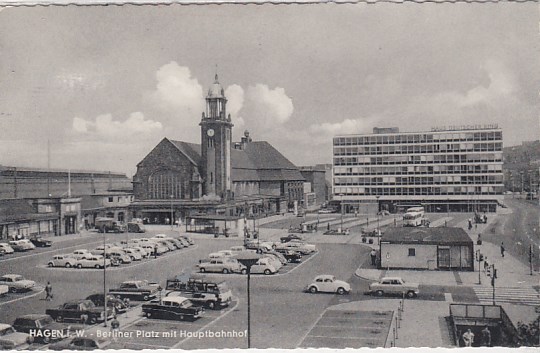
216 90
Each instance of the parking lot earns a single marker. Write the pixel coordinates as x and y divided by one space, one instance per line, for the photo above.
349 329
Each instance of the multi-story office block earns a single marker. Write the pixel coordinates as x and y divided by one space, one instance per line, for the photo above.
457 169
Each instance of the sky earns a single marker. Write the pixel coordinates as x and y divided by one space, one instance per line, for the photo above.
105 84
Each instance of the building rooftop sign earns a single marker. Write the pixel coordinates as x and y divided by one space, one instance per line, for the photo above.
465 127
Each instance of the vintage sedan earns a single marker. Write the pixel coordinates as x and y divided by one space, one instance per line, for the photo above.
133 254
81 344
223 265
302 248
112 302
7 249
42 327
41 242
81 254
172 308
93 261
394 286
328 284
17 283
62 260
10 339
265 266
22 245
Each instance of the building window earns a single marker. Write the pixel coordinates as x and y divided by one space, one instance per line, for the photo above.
412 252
111 199
164 184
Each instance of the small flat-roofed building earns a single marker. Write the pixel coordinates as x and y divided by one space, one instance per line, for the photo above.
442 248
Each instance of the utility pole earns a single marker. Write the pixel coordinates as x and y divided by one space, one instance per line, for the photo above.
479 258
531 259
493 277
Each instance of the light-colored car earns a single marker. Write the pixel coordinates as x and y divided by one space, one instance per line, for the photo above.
7 249
81 254
235 250
144 253
133 254
328 284
223 265
120 254
394 285
302 248
264 265
226 253
3 289
62 260
13 340
99 250
161 236
16 283
22 245
152 247
164 243
93 261
274 260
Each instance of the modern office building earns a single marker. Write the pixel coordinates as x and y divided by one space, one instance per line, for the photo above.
456 168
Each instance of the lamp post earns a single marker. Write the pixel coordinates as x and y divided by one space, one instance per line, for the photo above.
521 182
342 209
104 279
248 259
378 209
172 215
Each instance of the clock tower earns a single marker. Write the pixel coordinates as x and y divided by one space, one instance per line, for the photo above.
216 132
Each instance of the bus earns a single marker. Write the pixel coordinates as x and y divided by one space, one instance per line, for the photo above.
416 209
413 219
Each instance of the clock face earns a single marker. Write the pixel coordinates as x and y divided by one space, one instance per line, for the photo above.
210 132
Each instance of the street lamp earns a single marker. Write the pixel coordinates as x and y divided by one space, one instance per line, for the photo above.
378 209
248 259
104 279
342 209
172 216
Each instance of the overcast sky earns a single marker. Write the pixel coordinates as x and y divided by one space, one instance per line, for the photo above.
106 84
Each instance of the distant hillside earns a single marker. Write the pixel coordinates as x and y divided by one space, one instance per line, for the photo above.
522 155
521 166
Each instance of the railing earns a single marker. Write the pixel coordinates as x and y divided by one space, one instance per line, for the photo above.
395 325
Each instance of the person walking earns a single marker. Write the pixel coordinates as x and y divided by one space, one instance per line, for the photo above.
468 338
373 255
115 327
502 249
48 292
486 337
155 251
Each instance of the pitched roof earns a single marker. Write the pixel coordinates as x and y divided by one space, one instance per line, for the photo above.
438 235
259 161
190 150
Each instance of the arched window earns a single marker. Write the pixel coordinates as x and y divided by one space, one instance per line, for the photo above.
164 183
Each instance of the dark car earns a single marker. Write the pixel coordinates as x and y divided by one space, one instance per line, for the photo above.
290 255
42 327
40 242
112 302
290 237
172 308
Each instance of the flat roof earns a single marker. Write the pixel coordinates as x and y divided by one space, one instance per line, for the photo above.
423 235
425 132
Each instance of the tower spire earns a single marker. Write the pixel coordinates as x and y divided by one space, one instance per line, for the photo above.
216 77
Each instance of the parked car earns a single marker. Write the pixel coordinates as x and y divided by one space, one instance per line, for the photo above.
42 327
172 308
394 285
22 245
223 265
120 255
302 248
264 265
100 250
17 283
3 290
41 242
153 247
226 253
10 339
290 237
81 344
328 284
81 254
112 302
93 261
79 310
186 238
105 224
165 242
136 227
278 255
202 291
290 255
184 242
177 243
62 260
274 260
133 254
136 290
237 249
7 249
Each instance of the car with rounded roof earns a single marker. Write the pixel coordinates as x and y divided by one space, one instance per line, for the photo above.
10 339
303 248
93 261
223 265
264 265
7 249
81 254
17 283
119 254
41 242
62 260
133 254
328 284
22 245
153 247
186 238
112 302
172 308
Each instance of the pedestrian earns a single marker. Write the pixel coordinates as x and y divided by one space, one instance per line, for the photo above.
155 251
502 249
48 292
486 264
115 326
486 337
373 255
328 226
475 225
468 338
